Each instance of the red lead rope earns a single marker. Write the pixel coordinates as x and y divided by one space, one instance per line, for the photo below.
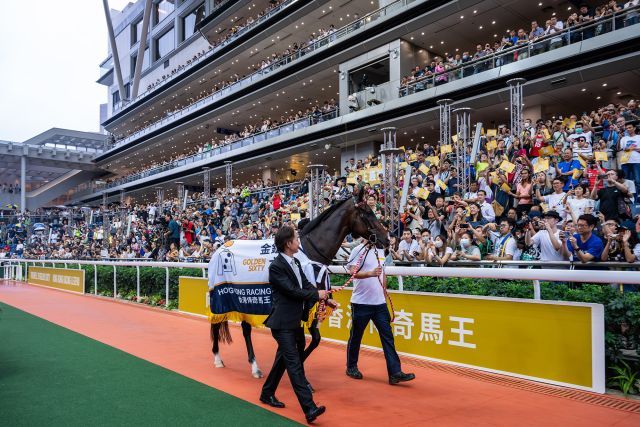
322 309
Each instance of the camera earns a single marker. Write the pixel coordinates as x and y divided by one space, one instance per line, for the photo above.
523 222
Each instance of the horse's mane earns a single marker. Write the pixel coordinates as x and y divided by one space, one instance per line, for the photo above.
322 217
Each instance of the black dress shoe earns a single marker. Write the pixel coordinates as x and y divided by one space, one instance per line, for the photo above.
311 389
400 377
272 401
315 413
354 373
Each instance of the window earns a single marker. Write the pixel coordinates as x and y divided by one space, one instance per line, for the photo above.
164 44
115 98
145 61
190 22
127 91
136 32
372 74
162 9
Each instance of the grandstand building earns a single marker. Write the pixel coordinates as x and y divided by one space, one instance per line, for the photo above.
48 169
271 87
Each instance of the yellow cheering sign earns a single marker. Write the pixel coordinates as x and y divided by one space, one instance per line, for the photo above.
58 278
554 342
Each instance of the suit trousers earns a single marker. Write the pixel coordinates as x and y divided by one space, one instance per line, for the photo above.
289 356
361 314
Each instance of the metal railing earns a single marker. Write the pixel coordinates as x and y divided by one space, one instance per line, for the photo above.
260 74
11 268
123 103
242 142
566 37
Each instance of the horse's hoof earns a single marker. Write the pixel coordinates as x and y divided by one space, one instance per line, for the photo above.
217 361
257 374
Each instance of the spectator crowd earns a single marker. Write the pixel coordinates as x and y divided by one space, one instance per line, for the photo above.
564 189
519 44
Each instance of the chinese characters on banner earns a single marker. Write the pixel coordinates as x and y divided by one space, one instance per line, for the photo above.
430 329
548 340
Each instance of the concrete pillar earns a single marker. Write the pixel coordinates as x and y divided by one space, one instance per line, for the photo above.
533 112
268 173
141 47
114 50
357 152
23 183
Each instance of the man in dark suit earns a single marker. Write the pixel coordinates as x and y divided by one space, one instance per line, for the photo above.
292 295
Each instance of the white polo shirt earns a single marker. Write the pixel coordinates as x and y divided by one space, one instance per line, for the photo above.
366 291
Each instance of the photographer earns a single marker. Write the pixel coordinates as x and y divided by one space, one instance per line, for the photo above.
172 234
612 197
504 244
547 239
621 245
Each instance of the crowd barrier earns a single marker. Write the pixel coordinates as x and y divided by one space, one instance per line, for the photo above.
557 342
17 269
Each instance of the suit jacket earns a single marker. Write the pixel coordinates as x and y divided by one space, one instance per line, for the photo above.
290 303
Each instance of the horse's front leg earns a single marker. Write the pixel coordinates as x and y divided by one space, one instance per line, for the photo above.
246 333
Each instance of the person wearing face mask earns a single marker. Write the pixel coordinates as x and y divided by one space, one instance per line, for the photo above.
582 130
438 251
468 251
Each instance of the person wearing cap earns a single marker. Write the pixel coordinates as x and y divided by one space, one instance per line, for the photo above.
547 238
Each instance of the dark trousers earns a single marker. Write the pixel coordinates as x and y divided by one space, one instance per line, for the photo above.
289 356
361 314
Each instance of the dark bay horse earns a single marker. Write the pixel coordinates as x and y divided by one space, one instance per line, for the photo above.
321 238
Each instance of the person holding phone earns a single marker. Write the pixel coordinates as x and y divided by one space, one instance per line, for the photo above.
468 250
547 238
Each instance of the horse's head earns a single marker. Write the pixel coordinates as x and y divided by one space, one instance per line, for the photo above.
365 224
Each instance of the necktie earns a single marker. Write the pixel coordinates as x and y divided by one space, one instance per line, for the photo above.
296 271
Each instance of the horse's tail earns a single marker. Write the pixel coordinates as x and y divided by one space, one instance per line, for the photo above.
224 335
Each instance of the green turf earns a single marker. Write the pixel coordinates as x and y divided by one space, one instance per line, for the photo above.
50 375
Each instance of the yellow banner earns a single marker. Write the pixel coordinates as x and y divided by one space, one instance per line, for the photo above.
555 342
58 278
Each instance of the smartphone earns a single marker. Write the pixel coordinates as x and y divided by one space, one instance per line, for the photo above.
464 225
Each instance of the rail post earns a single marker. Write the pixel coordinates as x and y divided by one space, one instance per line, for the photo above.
166 301
536 289
115 287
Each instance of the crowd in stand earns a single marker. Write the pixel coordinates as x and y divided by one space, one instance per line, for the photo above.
267 64
10 188
563 190
539 39
236 29
314 114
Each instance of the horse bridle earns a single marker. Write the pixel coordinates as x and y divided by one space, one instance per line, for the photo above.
373 237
